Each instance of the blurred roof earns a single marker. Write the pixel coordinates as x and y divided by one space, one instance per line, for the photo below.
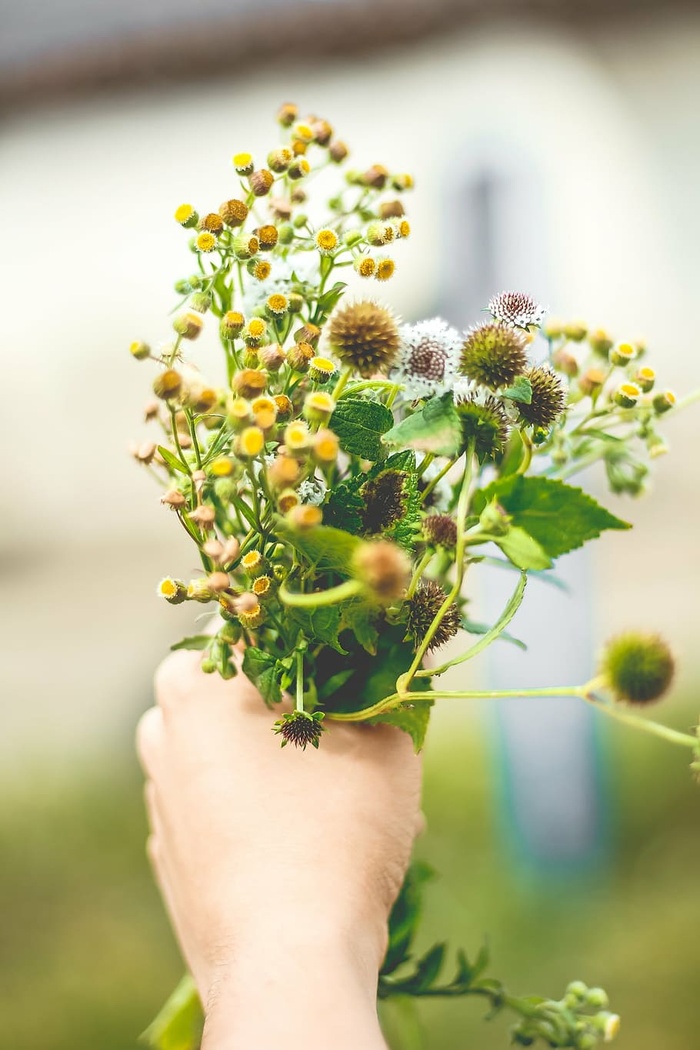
52 49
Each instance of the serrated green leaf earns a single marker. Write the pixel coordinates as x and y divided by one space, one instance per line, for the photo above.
473 627
195 642
519 390
413 720
324 547
180 1022
558 516
172 461
433 428
360 619
405 915
344 508
320 624
359 423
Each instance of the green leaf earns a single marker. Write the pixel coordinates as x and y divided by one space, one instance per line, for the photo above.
428 968
519 390
359 618
520 548
197 641
413 719
264 671
331 297
180 1022
359 424
345 507
320 624
326 548
405 915
473 627
558 516
433 428
173 462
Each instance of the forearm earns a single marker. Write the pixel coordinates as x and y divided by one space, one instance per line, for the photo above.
297 986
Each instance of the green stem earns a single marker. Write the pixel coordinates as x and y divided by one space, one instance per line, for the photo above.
527 454
300 681
437 479
317 598
673 736
486 639
420 568
340 385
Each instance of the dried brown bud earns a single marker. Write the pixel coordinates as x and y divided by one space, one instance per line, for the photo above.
376 176
391 210
261 181
219 581
249 382
384 569
144 452
230 551
308 333
203 516
287 114
173 499
213 549
338 151
280 207
233 212
167 385
272 357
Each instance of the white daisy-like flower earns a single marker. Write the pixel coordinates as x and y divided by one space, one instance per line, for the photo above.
427 359
517 309
312 491
305 267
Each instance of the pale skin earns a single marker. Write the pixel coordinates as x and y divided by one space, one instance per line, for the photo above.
278 867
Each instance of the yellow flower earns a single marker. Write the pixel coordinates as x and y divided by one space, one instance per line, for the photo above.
385 269
186 215
205 241
326 241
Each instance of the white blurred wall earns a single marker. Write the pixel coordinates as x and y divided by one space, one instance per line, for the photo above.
610 124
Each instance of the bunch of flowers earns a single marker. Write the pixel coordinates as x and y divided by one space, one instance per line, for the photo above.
344 471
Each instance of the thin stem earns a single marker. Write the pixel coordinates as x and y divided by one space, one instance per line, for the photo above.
340 385
399 699
300 681
673 736
528 448
420 569
437 479
317 598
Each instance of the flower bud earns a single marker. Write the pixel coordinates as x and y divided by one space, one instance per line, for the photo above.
272 357
283 471
376 176
268 237
663 401
205 242
186 216
167 384
250 442
286 500
243 163
318 407
379 233
245 245
239 412
140 351
622 355
308 333
321 369
325 447
144 452
200 301
231 324
287 114
254 331
299 168
174 591
251 617
218 581
261 182
278 160
204 516
173 499
365 266
305 516
600 342
552 328
338 151
233 212
250 382
254 564
213 223
391 210
638 668
260 269
627 395
285 408
591 382
286 233
576 331
199 591
188 325
231 550
402 182
299 357
383 568
565 362
297 438
645 379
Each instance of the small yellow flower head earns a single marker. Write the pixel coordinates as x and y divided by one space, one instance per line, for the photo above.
338 151
627 395
403 228
199 591
186 216
277 305
622 354
272 357
261 182
174 591
318 407
268 237
385 269
305 516
167 385
611 1027
239 412
222 467
299 147
299 168
200 301
297 438
205 241
645 379
285 408
254 331
231 324
233 212
364 335
286 500
591 381
213 223
326 241
249 382
287 114
325 447
663 401
600 342
243 163
365 266
283 471
253 618
260 269
265 419
637 667
188 325
278 160
576 331
303 131
299 356
383 568
245 245
173 499
402 182
308 333
263 587
250 443
391 210
263 404
140 351
204 516
379 233
254 564
321 369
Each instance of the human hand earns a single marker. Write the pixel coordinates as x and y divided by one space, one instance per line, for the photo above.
278 867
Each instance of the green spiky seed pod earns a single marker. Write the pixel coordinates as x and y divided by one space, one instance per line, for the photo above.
300 728
637 667
485 424
365 336
548 398
423 607
494 355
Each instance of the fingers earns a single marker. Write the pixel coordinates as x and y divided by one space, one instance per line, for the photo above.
149 732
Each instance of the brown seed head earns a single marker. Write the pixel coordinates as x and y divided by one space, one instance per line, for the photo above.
364 335
233 212
383 568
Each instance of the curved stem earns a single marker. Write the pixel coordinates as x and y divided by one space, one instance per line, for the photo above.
420 569
437 479
673 736
317 598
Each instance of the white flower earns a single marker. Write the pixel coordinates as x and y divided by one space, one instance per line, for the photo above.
428 357
517 310
312 491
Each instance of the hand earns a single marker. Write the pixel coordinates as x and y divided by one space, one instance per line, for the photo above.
278 867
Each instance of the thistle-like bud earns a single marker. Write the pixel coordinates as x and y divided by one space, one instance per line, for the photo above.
318 407
299 728
637 667
548 398
423 607
188 325
245 245
440 530
493 354
250 382
167 384
268 237
365 336
231 324
204 516
383 568
261 182
186 216
140 351
233 212
485 425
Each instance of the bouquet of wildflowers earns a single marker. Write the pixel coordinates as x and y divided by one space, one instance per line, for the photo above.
342 473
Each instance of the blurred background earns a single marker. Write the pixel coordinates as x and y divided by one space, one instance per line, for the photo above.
556 148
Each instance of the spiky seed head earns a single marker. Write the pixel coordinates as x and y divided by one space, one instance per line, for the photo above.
365 336
383 568
423 607
548 397
440 530
493 354
637 667
485 423
300 728
385 499
517 309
